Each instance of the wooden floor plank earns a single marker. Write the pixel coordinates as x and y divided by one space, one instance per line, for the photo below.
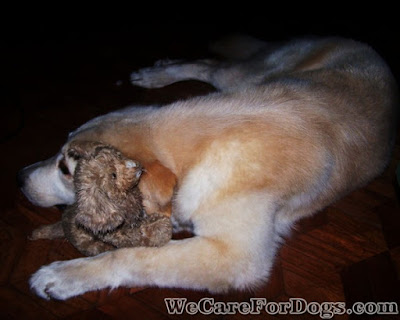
373 279
12 244
126 307
14 305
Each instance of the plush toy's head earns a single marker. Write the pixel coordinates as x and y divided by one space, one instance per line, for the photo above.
106 188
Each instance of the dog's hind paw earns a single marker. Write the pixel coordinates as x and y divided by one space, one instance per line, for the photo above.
163 73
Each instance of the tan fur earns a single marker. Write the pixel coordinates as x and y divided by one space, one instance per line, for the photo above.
292 130
158 187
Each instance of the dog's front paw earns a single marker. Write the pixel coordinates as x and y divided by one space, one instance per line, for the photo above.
57 281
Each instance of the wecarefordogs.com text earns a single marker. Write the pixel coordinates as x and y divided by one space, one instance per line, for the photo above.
295 306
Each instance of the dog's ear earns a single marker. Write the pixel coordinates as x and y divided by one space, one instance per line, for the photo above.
84 149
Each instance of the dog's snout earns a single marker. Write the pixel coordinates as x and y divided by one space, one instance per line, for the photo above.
21 177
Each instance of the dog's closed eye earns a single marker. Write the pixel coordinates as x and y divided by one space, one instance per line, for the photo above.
74 154
63 167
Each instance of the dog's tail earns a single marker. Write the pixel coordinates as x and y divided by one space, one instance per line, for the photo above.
237 46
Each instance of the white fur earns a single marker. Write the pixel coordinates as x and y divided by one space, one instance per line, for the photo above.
51 187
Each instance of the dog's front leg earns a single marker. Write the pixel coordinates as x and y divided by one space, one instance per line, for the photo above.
196 263
230 252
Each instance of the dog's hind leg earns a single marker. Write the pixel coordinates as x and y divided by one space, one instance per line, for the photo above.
165 72
224 76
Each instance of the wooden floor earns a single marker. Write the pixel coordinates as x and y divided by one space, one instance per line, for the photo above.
349 253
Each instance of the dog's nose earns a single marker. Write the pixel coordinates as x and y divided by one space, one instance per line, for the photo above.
20 179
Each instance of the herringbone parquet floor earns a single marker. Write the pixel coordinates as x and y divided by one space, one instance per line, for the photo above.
349 253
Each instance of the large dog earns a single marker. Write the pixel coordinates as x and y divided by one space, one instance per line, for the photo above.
292 129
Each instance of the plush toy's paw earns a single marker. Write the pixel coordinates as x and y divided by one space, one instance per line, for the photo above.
39 233
51 231
157 231
95 248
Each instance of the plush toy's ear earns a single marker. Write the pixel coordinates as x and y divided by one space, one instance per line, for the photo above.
131 164
83 149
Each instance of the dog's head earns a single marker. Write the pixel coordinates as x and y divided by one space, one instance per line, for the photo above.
51 182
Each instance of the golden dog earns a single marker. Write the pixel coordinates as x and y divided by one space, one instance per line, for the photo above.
292 129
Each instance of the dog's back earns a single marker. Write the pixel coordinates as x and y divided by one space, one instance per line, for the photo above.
342 81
